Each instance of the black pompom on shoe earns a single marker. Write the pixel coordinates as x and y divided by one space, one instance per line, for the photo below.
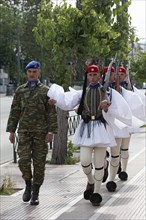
111 186
88 193
95 199
123 176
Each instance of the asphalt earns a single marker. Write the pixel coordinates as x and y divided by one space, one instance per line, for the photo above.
61 195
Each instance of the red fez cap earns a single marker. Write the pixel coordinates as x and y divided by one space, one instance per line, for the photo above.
92 69
122 69
106 69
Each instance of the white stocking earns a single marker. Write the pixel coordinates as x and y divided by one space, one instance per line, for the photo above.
86 162
125 153
99 158
114 159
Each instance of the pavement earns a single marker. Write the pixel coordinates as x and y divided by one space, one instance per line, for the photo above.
61 195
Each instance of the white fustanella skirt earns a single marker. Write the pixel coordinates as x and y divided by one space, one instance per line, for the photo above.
94 134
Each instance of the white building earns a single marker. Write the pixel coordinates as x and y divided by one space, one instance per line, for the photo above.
135 48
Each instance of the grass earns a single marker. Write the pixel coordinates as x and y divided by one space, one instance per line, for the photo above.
71 157
144 126
7 187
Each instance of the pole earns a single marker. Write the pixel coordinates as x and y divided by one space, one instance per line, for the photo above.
123 2
18 56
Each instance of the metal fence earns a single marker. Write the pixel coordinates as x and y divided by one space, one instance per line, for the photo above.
73 122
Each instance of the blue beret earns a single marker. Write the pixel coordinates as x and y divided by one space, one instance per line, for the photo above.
33 65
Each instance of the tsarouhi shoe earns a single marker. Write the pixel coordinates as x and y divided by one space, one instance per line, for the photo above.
123 176
95 199
89 191
111 186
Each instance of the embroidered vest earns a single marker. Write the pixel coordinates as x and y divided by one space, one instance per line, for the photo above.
92 101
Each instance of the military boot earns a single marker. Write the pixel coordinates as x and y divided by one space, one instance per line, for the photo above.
35 195
27 192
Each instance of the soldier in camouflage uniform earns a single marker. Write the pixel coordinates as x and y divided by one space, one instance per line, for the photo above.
36 121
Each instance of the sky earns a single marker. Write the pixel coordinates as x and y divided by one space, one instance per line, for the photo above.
137 11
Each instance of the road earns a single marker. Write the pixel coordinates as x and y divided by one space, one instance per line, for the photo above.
6 148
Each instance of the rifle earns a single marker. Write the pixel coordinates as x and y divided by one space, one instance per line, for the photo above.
130 86
107 76
117 83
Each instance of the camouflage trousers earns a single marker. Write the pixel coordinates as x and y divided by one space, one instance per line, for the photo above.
32 152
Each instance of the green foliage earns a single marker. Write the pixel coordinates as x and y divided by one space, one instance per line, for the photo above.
138 68
7 186
31 50
50 161
70 159
60 35
17 43
68 34
8 38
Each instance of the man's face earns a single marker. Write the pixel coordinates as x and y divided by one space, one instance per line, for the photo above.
33 74
112 77
93 78
122 76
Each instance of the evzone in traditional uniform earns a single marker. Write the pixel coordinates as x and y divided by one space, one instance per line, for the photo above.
93 134
137 108
120 153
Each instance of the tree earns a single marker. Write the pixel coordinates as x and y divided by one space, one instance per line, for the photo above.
17 43
31 50
8 40
59 152
138 69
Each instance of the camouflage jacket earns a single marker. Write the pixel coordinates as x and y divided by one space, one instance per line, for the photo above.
31 112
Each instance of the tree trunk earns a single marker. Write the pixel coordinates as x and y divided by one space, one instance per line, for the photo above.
60 139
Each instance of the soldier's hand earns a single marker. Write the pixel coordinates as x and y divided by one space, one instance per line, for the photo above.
48 138
104 105
52 101
12 137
